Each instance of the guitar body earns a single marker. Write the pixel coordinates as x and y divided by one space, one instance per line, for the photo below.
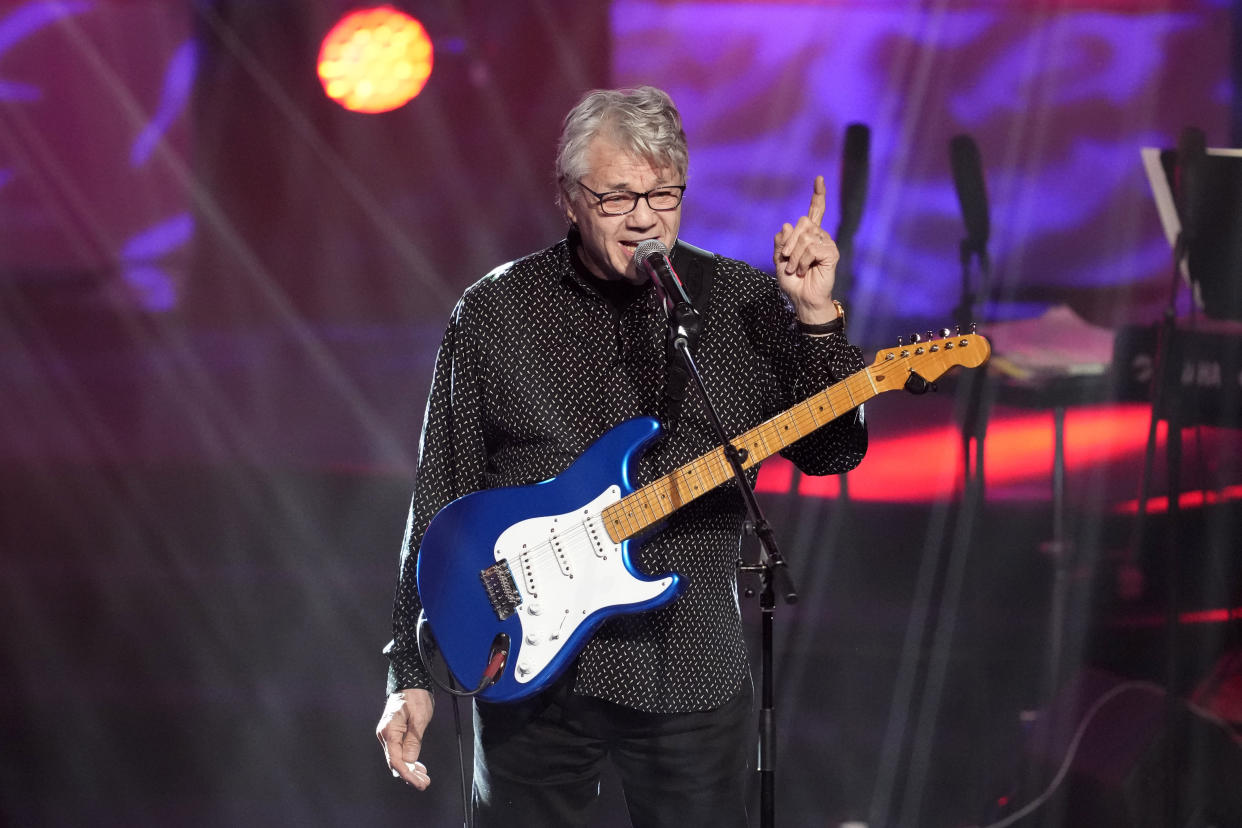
531 570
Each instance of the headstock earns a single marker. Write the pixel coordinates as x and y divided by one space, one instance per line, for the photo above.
929 358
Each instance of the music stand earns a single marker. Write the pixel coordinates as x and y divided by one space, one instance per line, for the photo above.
1213 266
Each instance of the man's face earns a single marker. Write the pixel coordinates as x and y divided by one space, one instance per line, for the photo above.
608 242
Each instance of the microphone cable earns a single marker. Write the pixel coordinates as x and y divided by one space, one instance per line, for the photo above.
1072 750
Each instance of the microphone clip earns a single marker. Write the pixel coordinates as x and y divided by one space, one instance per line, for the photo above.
684 321
685 324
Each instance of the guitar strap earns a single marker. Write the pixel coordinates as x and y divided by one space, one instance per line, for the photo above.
696 268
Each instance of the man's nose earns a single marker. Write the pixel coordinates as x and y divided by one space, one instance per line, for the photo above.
642 215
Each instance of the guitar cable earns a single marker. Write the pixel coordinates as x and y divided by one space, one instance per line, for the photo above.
461 766
490 674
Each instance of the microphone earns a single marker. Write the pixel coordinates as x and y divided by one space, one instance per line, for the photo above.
972 195
652 256
855 172
1191 153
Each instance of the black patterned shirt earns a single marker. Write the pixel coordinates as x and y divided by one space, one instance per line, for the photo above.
537 363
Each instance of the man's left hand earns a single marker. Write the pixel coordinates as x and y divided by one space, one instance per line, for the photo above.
806 258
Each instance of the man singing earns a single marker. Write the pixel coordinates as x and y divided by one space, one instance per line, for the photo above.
542 357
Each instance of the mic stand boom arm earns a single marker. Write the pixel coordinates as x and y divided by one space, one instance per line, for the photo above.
970 249
771 568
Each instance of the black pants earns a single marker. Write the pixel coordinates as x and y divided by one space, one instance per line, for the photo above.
538 762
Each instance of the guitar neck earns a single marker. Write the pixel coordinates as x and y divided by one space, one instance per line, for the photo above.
657 500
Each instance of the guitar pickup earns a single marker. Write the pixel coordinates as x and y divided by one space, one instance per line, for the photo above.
501 589
598 536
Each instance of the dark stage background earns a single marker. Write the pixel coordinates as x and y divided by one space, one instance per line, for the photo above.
221 294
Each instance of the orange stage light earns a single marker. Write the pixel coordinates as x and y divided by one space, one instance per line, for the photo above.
375 60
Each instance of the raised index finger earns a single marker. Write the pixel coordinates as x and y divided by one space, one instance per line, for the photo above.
819 202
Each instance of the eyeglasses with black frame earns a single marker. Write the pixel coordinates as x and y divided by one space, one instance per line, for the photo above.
620 202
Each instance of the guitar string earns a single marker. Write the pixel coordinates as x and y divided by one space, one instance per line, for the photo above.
838 396
645 507
544 551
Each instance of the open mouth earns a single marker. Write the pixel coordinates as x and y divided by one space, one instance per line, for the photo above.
631 245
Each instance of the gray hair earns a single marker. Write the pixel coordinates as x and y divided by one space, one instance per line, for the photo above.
642 121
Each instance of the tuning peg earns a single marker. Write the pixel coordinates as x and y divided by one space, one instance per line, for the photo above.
901 340
944 333
916 337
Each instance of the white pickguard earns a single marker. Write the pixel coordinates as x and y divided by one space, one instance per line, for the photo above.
566 568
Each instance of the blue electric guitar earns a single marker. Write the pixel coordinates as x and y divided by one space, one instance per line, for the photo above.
515 580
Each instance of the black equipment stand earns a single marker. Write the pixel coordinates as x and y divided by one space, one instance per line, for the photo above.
1206 190
1166 406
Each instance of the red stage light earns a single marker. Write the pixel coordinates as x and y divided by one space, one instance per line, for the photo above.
924 464
375 60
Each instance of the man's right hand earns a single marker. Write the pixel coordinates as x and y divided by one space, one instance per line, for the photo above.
400 731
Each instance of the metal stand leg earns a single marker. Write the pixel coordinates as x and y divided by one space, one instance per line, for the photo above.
1058 548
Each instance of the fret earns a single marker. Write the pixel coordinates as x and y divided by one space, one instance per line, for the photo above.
763 440
651 513
809 411
788 435
845 386
684 478
766 437
661 488
613 522
722 464
699 471
827 400
627 518
706 472
807 420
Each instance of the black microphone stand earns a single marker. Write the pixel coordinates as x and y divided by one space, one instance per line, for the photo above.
772 571
974 417
973 411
